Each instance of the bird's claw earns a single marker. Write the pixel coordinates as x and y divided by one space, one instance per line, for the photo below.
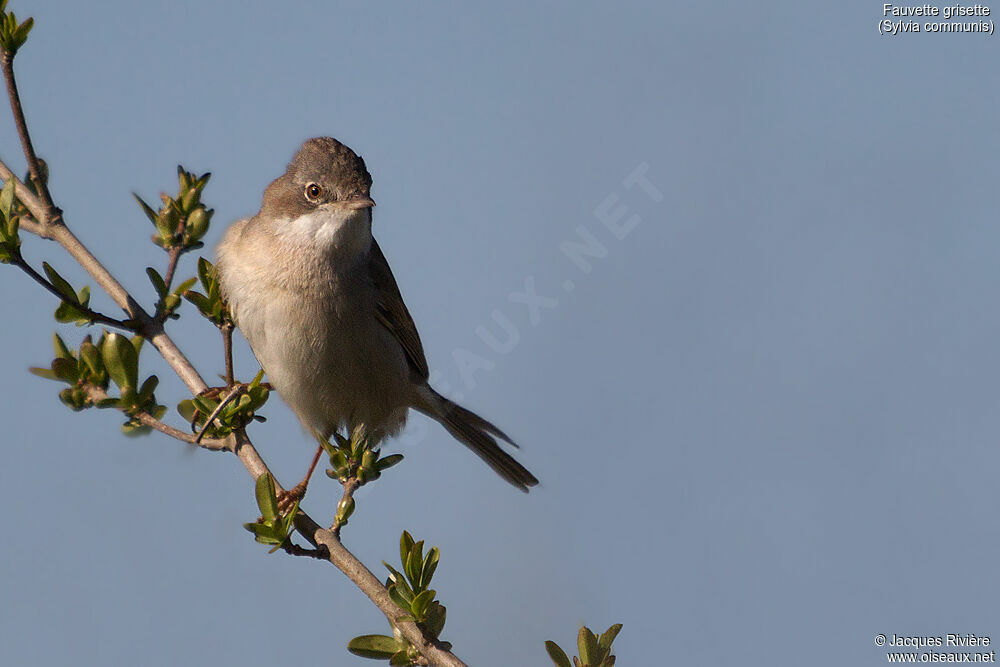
287 499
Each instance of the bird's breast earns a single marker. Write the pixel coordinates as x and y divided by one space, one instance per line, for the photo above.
321 345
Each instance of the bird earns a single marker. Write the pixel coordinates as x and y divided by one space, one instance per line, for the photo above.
312 292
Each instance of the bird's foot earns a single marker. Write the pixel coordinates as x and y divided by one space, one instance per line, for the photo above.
216 392
212 392
286 499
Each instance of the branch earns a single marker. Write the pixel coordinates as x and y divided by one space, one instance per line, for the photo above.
227 350
7 65
319 553
350 486
50 224
240 443
363 578
211 444
94 316
173 255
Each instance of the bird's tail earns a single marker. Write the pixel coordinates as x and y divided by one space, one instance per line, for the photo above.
477 434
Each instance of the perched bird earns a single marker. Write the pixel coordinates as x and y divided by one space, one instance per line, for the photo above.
310 289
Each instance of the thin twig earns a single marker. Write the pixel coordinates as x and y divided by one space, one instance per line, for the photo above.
173 255
7 64
350 486
320 553
93 315
227 350
149 328
213 444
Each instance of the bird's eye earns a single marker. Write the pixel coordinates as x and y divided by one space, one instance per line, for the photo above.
313 192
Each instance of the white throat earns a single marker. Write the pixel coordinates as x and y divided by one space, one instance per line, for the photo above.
329 230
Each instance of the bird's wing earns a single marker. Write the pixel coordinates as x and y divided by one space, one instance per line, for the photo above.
392 313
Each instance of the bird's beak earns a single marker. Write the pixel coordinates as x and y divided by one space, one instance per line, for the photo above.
358 203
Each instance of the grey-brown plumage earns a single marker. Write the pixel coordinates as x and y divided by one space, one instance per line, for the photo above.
313 294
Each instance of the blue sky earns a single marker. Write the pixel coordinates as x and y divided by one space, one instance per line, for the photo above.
765 419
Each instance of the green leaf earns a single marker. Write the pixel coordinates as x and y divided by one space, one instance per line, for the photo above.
405 545
184 286
21 34
414 562
420 603
170 303
12 226
359 440
205 404
396 576
66 370
586 644
83 296
91 356
128 397
46 373
197 223
379 647
401 658
187 409
67 312
121 360
167 219
388 461
62 351
265 533
157 280
429 566
133 429
405 591
266 498
436 614
148 387
608 636
288 521
146 208
63 287
205 272
200 301
258 396
338 459
368 459
557 654
397 596
345 508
